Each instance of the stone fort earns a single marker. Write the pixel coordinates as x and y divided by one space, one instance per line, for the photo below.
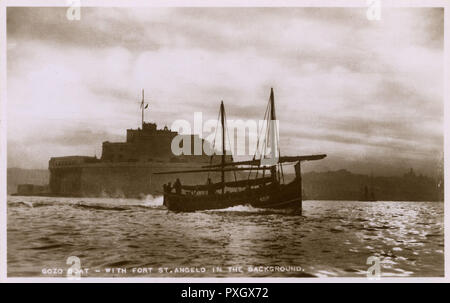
125 169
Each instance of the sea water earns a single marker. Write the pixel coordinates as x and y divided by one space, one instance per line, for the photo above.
141 238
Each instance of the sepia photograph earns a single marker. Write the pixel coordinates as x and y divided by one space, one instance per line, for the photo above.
301 141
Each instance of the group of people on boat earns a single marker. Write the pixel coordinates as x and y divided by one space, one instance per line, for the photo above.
266 191
177 186
211 188
168 188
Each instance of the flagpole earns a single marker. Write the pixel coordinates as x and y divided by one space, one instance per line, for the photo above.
142 108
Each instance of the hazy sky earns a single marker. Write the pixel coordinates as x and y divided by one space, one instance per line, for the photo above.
367 93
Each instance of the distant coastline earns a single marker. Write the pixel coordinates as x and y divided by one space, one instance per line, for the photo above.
339 185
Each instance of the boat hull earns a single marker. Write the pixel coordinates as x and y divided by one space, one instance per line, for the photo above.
272 196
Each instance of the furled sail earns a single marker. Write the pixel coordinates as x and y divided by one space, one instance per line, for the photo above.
209 170
283 159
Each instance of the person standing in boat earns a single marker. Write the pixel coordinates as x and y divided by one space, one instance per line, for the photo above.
211 190
168 187
275 183
177 186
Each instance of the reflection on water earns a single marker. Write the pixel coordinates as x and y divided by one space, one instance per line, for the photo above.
331 239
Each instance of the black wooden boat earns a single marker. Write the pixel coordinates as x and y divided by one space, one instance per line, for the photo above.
258 191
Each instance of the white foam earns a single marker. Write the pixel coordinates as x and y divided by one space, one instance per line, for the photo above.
152 201
240 208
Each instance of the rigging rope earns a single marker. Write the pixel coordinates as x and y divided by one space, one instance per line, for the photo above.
258 139
214 142
229 141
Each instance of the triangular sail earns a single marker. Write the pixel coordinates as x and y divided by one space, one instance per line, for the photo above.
271 140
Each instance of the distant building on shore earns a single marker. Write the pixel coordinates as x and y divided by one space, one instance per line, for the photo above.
31 189
125 169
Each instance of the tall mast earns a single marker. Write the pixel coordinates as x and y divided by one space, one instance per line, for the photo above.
272 105
273 134
222 121
273 130
142 108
